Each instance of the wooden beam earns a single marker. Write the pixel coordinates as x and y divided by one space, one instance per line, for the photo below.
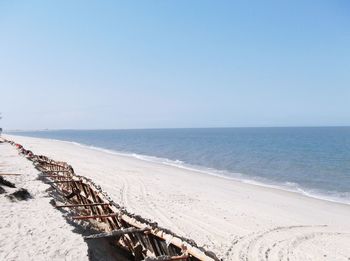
53 176
168 258
10 174
82 205
94 216
64 181
52 164
117 233
56 171
184 257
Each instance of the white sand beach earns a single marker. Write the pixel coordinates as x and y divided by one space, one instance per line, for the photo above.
33 229
237 221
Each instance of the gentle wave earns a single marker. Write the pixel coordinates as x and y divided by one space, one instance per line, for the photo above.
332 196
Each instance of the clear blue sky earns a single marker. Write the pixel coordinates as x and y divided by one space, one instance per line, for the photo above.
145 64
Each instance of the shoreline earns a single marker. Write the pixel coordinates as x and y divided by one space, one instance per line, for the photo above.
245 179
232 218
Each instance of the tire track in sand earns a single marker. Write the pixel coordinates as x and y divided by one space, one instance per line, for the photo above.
143 206
286 244
157 212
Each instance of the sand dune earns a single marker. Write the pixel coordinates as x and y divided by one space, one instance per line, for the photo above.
237 221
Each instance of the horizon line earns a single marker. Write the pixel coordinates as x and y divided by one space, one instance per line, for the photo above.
175 128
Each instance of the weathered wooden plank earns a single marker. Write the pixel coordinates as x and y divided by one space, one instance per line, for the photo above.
82 205
167 258
56 171
64 181
95 216
53 176
117 233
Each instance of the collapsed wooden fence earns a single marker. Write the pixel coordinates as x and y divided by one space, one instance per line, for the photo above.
145 240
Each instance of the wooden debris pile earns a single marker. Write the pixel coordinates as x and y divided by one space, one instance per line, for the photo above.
144 239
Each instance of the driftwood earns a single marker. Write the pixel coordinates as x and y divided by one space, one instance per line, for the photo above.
52 176
117 233
48 171
166 258
82 205
10 174
64 181
144 239
95 216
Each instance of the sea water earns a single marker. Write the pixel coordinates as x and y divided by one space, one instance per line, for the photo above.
314 161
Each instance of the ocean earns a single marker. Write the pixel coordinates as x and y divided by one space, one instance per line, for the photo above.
314 161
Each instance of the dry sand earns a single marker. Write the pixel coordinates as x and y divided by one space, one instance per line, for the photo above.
237 221
32 229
